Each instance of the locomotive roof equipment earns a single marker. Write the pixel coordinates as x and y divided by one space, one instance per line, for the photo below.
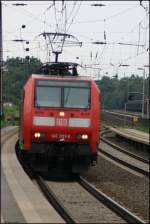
59 69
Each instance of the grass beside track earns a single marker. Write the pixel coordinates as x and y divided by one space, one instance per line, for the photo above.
10 116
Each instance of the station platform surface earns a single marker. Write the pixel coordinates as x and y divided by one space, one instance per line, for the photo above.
138 114
132 134
21 200
127 114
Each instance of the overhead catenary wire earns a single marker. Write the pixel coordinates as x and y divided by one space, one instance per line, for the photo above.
71 11
109 17
70 20
60 26
37 17
74 16
127 33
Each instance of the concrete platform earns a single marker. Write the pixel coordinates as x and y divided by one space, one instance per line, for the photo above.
146 116
21 200
132 134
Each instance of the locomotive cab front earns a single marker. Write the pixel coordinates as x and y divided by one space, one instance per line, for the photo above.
61 120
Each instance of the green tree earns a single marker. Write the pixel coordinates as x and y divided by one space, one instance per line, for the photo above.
17 71
114 92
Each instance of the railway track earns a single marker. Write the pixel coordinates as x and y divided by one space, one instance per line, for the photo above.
65 204
80 202
56 203
123 156
93 206
133 155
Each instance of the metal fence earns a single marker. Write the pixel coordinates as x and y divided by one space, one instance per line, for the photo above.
136 106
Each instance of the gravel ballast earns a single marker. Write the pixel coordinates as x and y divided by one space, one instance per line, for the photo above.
129 189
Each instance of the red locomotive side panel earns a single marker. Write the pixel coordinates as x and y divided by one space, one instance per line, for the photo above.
26 114
95 116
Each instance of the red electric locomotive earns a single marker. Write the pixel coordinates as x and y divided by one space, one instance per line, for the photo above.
60 120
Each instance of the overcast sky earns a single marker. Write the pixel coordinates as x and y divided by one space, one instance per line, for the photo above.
116 22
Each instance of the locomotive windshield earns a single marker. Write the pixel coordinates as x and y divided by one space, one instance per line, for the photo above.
76 97
66 94
47 96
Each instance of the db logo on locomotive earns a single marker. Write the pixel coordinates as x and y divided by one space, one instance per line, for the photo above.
61 122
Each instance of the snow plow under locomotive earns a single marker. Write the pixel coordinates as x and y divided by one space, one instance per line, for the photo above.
60 118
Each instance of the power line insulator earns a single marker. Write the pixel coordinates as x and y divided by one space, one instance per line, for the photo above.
23 26
27 42
98 5
19 4
27 49
18 40
104 35
98 42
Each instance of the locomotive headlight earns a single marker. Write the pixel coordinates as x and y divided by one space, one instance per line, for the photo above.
84 137
37 135
61 113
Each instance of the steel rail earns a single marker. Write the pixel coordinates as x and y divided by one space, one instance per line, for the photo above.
54 201
137 169
114 206
50 196
123 150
